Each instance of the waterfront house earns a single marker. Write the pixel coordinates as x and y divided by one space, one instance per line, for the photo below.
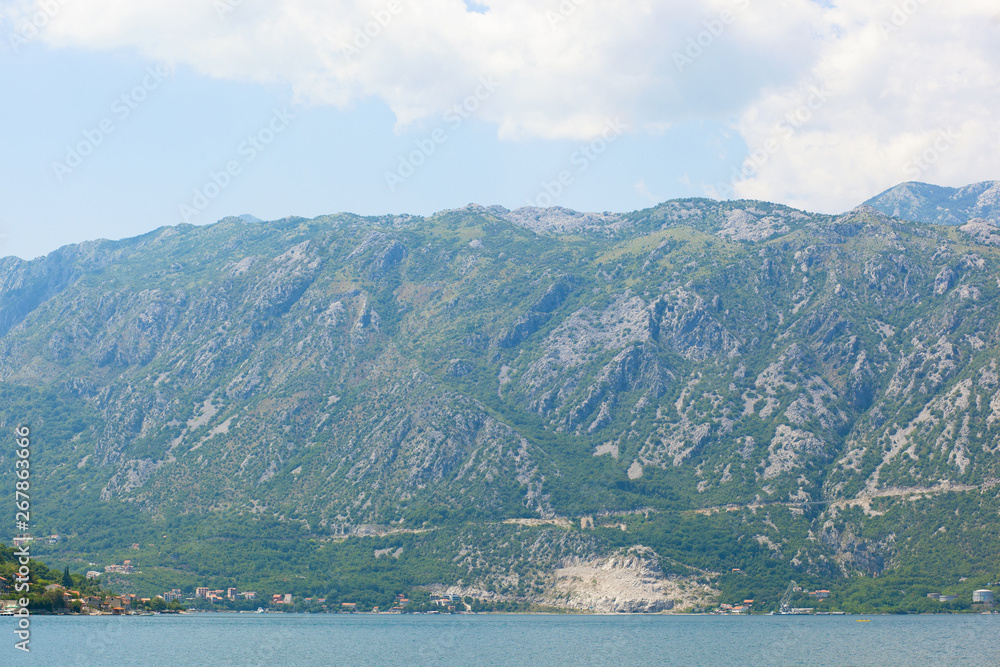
122 602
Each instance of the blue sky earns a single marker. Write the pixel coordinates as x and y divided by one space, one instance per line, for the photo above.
123 118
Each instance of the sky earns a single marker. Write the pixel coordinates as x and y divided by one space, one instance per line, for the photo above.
120 117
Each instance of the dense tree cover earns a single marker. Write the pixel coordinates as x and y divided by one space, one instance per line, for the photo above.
40 577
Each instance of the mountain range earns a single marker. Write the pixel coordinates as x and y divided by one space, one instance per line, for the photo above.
922 202
661 409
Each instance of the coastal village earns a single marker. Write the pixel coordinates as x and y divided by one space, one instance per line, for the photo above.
64 599
205 599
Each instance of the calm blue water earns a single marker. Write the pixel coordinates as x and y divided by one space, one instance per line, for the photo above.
287 639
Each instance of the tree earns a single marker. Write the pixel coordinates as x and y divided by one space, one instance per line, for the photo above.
67 578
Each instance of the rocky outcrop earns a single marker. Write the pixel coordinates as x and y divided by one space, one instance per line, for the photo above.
983 231
741 225
538 313
628 581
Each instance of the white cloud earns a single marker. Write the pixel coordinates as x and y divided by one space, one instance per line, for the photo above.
567 66
912 88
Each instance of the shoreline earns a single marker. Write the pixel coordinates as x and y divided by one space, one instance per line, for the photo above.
201 612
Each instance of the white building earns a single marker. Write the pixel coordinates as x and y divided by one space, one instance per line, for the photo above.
984 595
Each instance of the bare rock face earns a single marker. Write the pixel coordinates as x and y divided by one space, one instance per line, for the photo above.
628 581
944 281
559 220
982 231
789 449
855 553
742 226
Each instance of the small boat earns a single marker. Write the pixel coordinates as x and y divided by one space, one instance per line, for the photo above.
864 620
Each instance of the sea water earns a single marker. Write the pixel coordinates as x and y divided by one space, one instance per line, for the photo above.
465 639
